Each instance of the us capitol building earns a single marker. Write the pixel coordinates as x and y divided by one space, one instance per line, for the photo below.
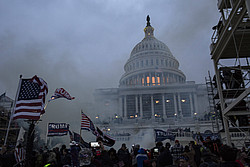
153 93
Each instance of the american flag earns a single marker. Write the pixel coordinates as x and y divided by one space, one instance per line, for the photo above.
31 99
19 154
87 124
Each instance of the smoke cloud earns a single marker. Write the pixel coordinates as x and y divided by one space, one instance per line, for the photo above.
83 45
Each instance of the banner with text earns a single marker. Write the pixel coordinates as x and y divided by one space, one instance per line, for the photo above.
58 129
161 135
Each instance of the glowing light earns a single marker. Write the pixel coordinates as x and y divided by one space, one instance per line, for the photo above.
155 115
157 101
158 80
167 100
195 113
153 80
96 117
183 100
175 114
116 116
142 81
147 80
136 116
108 129
131 116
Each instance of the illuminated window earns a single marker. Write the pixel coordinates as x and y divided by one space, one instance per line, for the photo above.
142 81
167 100
148 80
183 100
158 80
153 80
157 101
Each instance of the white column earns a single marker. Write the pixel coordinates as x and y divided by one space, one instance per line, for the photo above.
152 107
120 106
195 103
125 107
150 79
175 104
136 104
141 112
191 104
164 106
179 103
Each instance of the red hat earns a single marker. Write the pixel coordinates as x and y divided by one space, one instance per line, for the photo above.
176 141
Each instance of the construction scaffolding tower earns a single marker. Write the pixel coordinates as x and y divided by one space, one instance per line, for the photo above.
211 90
230 52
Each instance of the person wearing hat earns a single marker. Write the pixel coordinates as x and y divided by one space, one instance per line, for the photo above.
140 157
176 150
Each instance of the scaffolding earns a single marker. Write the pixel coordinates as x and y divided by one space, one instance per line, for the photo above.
211 90
230 52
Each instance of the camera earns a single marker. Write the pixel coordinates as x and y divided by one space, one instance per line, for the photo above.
94 144
156 150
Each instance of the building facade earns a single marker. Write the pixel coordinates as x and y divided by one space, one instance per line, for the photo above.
153 93
152 87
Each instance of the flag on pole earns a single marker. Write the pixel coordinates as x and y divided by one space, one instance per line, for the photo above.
61 93
19 154
87 124
71 136
58 129
106 139
20 138
30 101
161 135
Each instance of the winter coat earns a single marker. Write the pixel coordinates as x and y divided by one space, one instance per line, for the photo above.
165 158
123 155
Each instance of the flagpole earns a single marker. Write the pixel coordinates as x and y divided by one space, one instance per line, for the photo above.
81 125
46 137
13 107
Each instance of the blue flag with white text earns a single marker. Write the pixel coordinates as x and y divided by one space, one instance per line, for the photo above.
161 135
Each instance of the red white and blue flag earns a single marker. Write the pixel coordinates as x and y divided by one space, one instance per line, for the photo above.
61 93
87 124
19 154
58 129
30 101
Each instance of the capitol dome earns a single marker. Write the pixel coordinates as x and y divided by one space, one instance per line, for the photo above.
151 63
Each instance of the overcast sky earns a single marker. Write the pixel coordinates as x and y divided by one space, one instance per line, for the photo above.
82 45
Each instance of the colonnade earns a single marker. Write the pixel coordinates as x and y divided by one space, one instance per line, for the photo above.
182 106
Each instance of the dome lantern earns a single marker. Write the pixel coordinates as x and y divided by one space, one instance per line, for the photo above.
149 30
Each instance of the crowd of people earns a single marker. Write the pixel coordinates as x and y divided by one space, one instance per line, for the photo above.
208 153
